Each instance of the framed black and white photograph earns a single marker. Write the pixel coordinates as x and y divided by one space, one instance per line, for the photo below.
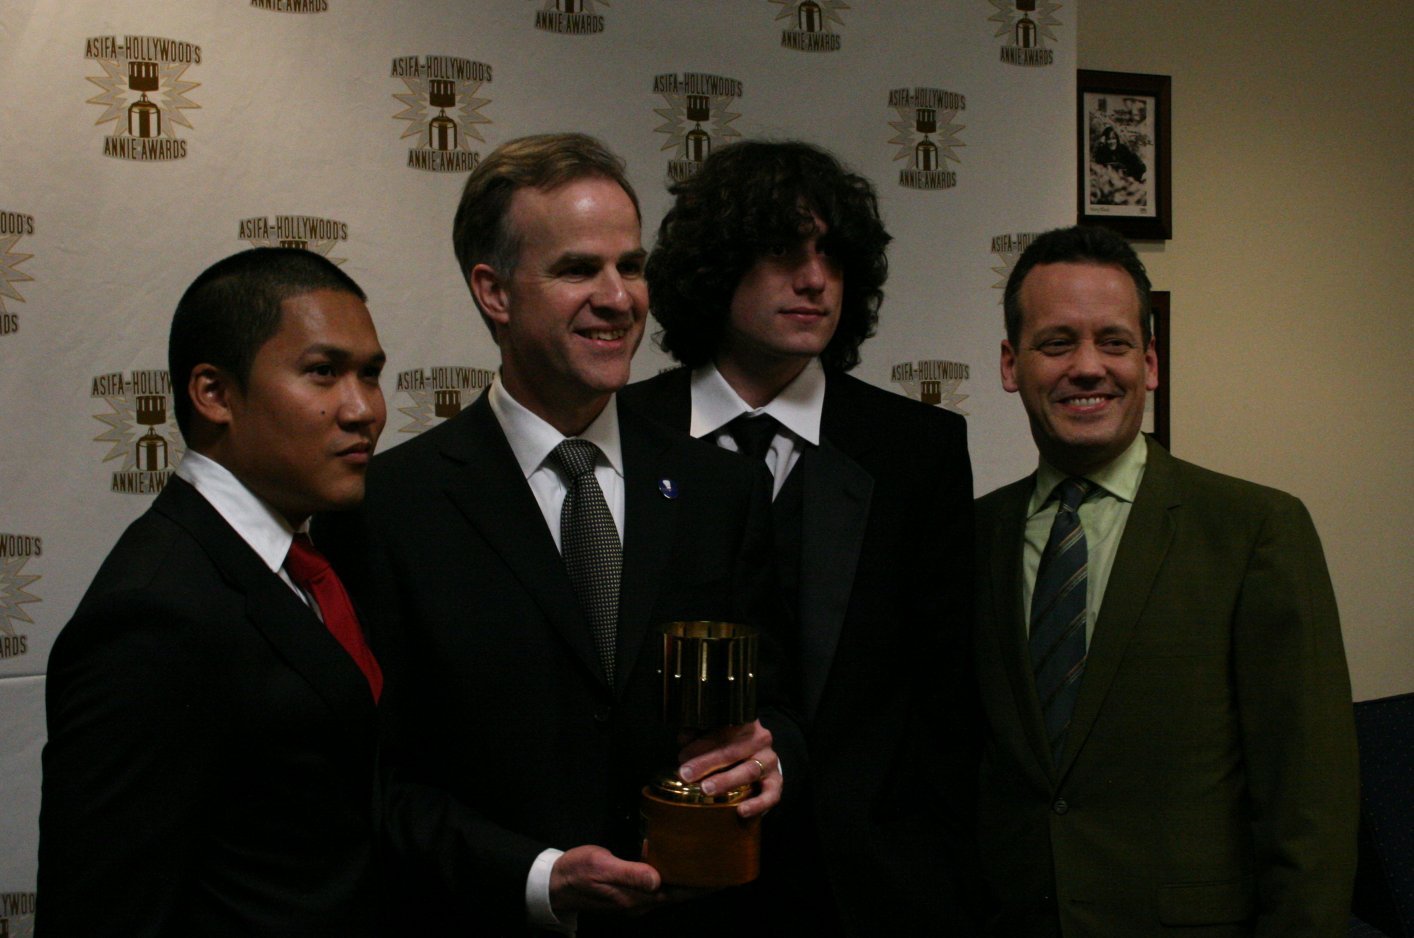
1156 404
1123 132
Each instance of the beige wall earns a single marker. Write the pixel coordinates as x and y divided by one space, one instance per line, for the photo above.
1290 272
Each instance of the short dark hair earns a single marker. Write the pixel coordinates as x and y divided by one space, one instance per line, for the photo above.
234 307
746 199
480 232
1079 244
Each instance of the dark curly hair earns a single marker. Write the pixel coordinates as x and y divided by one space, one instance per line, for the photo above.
748 198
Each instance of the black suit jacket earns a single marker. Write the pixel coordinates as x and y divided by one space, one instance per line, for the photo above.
504 737
882 653
210 762
1208 781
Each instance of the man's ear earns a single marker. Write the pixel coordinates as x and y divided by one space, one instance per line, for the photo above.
489 290
1008 367
211 390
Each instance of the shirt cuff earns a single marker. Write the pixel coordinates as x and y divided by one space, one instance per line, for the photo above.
538 911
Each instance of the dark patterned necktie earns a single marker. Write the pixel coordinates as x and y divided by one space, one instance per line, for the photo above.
589 542
753 435
1057 641
313 574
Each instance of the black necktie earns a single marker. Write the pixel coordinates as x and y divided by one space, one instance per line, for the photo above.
1057 641
589 542
753 435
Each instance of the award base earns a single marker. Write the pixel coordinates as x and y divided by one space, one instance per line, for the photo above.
693 839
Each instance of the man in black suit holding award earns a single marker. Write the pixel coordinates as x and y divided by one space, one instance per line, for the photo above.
766 278
211 704
522 553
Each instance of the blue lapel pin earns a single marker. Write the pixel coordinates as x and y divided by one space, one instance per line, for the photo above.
668 487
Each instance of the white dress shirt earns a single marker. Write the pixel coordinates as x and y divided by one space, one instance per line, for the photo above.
797 408
262 527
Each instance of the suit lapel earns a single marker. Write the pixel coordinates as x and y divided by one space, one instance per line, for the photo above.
1004 598
1141 551
836 493
649 522
491 492
272 608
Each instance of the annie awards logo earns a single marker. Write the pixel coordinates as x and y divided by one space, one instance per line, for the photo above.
306 232
15 551
16 914
439 392
1026 28
570 17
934 381
926 135
811 24
1008 248
291 6
698 116
144 94
13 227
143 432
442 110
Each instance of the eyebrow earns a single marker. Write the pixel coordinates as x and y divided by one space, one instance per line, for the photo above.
339 354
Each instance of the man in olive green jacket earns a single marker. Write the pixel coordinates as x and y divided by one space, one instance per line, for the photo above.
1188 763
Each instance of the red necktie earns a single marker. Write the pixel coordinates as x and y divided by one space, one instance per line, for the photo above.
312 573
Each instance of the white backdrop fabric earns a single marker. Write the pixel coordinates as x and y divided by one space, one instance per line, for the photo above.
143 140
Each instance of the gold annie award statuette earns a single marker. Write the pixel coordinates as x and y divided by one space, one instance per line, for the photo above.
709 681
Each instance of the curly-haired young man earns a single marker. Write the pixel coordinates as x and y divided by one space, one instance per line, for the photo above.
766 278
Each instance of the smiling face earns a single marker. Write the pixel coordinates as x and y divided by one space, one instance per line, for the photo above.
1080 365
301 431
784 312
570 316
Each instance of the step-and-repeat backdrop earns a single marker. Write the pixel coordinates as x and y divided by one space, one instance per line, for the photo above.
144 139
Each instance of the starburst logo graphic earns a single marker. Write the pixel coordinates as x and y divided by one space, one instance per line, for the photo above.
1028 27
443 110
1008 248
306 232
144 94
934 382
143 434
811 24
439 392
13 226
698 116
15 550
926 135
570 17
18 909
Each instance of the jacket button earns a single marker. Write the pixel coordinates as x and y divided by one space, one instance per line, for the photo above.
602 713
1060 807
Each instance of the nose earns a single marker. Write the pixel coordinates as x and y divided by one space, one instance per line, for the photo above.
1087 361
363 405
811 272
612 292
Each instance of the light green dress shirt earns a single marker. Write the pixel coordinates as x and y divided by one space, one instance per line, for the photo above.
1103 516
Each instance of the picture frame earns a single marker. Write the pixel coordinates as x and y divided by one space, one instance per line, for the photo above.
1124 153
1156 407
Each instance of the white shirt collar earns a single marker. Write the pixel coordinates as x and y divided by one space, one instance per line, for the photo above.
798 407
532 438
262 527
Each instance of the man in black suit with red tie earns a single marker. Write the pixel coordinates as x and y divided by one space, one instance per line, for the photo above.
766 278
211 705
522 553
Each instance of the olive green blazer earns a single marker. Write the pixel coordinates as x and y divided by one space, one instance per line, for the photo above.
1209 777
